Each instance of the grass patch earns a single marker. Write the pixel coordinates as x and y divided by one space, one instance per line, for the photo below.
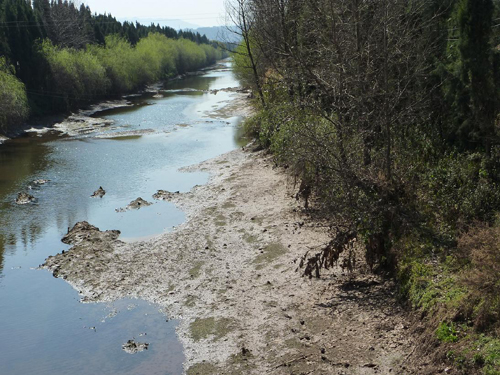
269 253
239 363
204 328
203 368
190 301
459 295
447 332
228 205
488 354
195 271
220 220
250 238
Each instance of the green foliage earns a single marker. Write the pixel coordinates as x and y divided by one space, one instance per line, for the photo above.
481 248
242 66
120 62
13 99
460 188
488 349
447 332
82 76
66 56
393 126
470 76
79 76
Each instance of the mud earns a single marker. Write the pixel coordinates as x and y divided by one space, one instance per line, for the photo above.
230 275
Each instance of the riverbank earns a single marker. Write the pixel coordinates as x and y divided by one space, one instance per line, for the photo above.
229 275
84 119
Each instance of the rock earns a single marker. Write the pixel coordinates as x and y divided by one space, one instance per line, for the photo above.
39 182
99 193
83 231
138 203
135 205
25 198
133 347
76 125
164 195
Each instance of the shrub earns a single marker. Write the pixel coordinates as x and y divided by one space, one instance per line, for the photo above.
481 246
78 76
13 100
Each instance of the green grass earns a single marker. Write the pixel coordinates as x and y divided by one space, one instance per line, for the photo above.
269 253
204 328
447 332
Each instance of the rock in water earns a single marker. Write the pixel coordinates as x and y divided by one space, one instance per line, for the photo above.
99 193
85 232
39 182
135 205
138 203
164 195
24 198
133 347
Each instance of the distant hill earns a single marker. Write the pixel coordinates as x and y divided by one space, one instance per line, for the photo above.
173 23
218 33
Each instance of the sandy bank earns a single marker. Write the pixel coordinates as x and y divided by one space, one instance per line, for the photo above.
229 275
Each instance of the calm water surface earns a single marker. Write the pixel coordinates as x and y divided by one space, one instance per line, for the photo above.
45 329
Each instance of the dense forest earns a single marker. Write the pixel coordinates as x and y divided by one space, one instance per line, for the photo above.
388 113
55 57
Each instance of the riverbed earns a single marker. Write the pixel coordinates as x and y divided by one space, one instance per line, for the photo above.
138 149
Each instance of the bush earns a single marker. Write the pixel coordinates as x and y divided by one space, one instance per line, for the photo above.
79 76
121 63
13 99
82 76
481 247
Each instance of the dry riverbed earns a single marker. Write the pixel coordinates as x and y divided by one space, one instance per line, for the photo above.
229 275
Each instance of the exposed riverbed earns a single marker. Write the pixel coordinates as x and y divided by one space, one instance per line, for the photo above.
131 151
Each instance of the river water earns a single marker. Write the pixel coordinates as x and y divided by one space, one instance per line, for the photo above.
45 328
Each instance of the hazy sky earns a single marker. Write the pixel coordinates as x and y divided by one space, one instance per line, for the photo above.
200 12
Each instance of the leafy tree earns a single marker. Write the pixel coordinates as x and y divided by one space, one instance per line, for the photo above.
476 72
13 99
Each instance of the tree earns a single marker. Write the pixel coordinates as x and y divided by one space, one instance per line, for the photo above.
476 71
240 14
13 100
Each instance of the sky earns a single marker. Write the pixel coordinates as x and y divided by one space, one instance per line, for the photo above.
198 12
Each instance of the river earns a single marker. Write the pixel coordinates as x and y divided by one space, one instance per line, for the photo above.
45 328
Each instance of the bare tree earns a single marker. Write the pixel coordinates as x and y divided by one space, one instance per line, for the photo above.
66 22
240 15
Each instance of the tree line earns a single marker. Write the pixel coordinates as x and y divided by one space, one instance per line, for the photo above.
388 112
55 56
